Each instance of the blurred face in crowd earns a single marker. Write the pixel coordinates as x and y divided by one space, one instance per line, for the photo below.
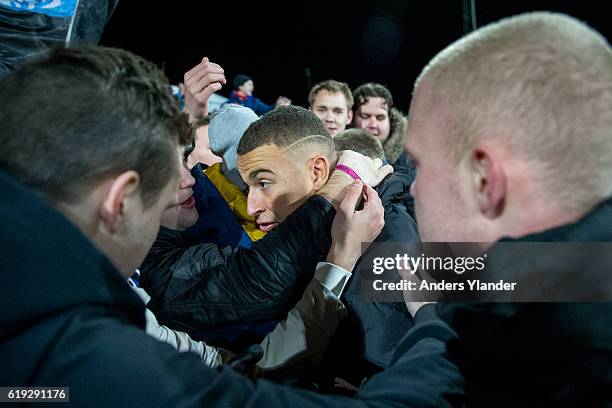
373 116
201 152
332 109
183 214
247 88
280 180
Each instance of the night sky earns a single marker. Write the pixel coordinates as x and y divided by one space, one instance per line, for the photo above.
277 43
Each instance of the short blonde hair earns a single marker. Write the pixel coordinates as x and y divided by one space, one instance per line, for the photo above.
541 84
333 87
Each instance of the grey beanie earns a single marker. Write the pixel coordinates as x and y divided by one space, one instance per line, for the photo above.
227 125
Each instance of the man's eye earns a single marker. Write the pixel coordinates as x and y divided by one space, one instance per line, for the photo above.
264 185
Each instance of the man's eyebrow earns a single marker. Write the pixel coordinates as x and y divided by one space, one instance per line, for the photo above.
254 174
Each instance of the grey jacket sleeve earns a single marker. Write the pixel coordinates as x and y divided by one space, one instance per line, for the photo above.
298 342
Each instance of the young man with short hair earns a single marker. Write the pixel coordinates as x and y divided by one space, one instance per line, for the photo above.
332 102
374 111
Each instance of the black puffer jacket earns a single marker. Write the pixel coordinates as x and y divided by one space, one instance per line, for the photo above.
203 286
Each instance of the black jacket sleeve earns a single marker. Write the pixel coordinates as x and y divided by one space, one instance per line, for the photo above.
205 285
422 374
122 366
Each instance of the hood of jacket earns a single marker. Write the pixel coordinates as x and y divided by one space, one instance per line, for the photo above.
394 145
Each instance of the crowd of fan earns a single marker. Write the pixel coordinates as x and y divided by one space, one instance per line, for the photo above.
155 256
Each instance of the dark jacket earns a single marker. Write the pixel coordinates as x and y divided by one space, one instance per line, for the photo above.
68 318
204 286
217 223
250 101
394 145
540 354
395 153
366 340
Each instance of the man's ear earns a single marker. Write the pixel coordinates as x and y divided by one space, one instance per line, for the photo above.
319 165
489 182
122 191
350 116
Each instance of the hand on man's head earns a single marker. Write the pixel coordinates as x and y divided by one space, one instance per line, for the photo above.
200 82
371 171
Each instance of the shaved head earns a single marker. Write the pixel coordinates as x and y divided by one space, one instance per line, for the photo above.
541 85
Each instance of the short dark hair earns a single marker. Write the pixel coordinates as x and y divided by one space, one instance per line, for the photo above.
360 141
79 115
364 92
283 127
331 86
240 79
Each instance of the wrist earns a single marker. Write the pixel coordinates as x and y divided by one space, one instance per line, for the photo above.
335 189
342 256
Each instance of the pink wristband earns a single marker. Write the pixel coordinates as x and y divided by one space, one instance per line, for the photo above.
348 171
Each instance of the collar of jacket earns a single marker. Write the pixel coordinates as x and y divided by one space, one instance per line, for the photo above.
554 272
241 95
394 145
236 200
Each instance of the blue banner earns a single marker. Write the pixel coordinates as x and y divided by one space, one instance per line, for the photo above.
53 8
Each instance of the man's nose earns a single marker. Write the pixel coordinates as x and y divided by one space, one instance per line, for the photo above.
254 206
372 124
329 117
187 179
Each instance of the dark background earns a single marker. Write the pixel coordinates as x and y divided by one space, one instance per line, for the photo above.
277 42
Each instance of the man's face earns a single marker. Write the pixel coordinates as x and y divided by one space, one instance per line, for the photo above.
440 207
201 152
183 214
247 88
279 182
332 109
140 229
373 116
440 189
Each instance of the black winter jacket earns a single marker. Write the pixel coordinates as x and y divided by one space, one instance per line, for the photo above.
543 354
205 286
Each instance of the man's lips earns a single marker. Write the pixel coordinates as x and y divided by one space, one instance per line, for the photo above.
188 203
267 226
